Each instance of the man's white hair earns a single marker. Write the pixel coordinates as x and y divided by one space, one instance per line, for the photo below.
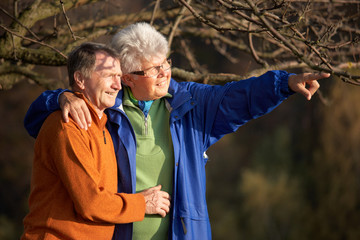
136 43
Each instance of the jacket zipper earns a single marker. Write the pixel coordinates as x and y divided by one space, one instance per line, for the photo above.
146 124
145 120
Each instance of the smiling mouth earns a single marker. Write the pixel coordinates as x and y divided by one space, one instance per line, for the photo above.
111 93
161 83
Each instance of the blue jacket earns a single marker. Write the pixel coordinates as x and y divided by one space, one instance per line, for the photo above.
200 115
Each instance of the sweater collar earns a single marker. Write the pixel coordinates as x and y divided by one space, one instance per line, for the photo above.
128 98
101 122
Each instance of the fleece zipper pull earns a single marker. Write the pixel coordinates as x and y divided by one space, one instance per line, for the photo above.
104 136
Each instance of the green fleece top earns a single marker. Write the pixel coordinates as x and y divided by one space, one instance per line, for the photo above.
154 159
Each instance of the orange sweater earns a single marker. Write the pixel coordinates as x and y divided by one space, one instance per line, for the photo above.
74 184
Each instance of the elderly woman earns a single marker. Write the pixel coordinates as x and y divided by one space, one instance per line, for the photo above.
162 128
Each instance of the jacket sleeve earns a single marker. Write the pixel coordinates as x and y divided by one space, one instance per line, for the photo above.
40 109
238 102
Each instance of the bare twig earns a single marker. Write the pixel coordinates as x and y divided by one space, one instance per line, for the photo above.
190 57
344 76
253 52
14 19
238 12
326 1
222 49
206 20
13 45
176 23
34 41
156 7
67 20
16 14
305 34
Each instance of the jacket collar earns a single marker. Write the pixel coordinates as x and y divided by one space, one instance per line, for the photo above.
180 94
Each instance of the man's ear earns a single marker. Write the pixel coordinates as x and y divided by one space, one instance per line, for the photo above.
79 79
127 80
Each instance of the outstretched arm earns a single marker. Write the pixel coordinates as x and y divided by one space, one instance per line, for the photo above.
240 101
306 83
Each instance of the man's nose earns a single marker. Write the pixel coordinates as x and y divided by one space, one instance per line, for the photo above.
117 82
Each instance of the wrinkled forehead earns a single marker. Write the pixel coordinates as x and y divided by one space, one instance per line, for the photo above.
104 61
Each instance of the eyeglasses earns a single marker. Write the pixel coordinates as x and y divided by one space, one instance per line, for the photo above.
155 70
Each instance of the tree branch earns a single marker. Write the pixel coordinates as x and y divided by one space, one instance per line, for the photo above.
34 41
156 7
14 19
67 20
176 23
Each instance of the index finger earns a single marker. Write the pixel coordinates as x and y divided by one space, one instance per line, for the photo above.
78 119
87 116
315 76
65 114
165 195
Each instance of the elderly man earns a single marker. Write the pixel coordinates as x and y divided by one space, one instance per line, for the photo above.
74 183
162 128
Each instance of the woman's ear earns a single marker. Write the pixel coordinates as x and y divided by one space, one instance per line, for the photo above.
79 80
127 80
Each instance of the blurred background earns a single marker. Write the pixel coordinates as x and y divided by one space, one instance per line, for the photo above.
292 174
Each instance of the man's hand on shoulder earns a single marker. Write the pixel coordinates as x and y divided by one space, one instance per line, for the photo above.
76 107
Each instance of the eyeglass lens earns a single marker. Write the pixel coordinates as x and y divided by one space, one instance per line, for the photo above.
154 71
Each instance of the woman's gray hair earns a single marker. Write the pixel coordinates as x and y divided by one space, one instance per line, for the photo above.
136 43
